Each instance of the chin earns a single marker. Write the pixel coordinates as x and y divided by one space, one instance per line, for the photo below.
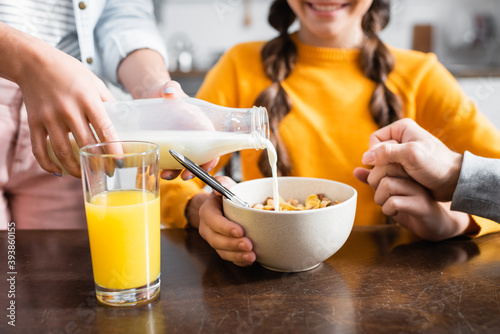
326 34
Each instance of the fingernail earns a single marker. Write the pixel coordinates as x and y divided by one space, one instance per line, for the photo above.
189 177
368 158
169 90
235 233
57 174
119 163
208 170
246 257
244 247
168 177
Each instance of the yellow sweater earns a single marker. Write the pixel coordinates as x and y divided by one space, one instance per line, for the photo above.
327 129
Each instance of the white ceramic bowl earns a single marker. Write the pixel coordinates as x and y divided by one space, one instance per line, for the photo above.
291 241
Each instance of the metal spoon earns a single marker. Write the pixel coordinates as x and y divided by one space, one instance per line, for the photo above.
207 178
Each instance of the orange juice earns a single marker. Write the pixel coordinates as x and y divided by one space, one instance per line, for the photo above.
124 233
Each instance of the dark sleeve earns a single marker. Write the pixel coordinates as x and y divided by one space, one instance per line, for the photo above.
478 188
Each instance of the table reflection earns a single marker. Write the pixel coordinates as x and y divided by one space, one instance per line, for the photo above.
382 280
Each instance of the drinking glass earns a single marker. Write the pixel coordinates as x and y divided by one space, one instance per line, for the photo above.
122 203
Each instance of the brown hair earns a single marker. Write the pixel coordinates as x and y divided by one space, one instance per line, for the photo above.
279 56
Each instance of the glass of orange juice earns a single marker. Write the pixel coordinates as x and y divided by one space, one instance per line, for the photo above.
122 203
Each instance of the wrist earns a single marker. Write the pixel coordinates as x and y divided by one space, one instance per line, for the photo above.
143 73
453 175
23 54
457 223
472 228
192 212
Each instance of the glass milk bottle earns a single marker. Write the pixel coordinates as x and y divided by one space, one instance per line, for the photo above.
197 129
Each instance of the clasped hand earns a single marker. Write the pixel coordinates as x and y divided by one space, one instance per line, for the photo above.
412 171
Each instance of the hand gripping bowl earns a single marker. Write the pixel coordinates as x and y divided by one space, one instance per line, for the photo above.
293 241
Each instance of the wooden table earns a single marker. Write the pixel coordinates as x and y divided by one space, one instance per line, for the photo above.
381 281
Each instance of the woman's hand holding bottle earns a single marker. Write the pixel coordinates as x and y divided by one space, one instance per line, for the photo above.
60 95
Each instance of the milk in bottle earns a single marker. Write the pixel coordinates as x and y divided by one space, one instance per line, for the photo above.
197 129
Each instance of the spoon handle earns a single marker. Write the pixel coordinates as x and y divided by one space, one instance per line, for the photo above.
207 178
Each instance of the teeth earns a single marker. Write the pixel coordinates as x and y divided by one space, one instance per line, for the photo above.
326 8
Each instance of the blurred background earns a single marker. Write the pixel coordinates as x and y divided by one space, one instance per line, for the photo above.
464 34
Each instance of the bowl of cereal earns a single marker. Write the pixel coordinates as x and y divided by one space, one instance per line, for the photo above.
315 219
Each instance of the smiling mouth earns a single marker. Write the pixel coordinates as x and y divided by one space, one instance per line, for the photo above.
326 7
